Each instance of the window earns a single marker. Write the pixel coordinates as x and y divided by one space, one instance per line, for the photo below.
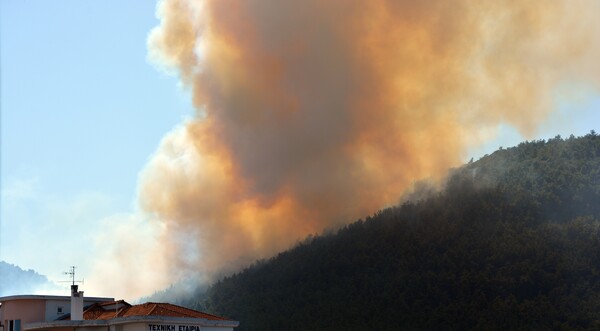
59 310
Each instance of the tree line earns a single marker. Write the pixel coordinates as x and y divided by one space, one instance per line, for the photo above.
511 242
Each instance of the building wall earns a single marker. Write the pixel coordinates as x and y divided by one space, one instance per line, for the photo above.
65 329
145 327
125 324
52 309
129 327
42 309
90 328
27 310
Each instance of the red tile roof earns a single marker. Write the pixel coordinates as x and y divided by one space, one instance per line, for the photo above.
101 311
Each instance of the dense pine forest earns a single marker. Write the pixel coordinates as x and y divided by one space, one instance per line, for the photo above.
511 242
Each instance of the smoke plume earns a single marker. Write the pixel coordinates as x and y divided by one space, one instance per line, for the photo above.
314 113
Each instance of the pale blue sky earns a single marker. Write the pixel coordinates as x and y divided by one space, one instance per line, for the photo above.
82 110
81 106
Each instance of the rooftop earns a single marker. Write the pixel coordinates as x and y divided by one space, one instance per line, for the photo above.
102 312
109 310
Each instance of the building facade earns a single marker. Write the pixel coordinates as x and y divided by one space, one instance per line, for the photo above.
77 313
19 310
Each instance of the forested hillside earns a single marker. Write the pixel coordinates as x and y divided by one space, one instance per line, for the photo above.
14 281
512 242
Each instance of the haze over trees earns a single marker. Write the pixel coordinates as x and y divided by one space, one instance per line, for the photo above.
511 242
16 281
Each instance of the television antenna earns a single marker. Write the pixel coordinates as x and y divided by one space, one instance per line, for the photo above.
71 274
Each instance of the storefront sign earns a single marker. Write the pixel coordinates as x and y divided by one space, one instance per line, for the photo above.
172 327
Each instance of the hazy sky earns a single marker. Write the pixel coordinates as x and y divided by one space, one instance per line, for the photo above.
82 111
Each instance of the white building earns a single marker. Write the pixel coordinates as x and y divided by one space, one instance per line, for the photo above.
76 313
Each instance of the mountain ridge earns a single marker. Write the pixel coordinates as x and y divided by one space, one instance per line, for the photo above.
512 241
17 281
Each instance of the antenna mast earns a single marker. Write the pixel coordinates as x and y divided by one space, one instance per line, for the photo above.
71 274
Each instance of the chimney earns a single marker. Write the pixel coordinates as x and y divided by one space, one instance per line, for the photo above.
76 304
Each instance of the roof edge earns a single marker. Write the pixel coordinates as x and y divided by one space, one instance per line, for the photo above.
130 319
179 320
50 297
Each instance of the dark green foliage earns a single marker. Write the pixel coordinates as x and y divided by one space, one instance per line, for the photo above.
511 243
184 293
